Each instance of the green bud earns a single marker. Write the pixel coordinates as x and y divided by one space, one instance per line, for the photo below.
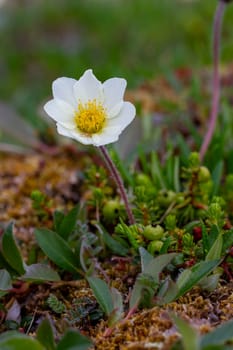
143 180
154 247
98 193
166 198
111 210
180 198
153 233
194 159
203 174
170 222
37 196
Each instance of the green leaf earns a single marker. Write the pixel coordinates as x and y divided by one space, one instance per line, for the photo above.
118 307
187 280
56 248
45 335
73 340
218 336
115 246
157 171
10 251
149 278
227 240
183 278
146 258
102 293
5 280
136 294
217 177
156 266
167 292
190 337
213 234
216 249
210 282
58 217
205 239
67 225
40 273
13 340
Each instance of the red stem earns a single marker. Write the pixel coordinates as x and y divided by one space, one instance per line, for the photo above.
216 78
117 177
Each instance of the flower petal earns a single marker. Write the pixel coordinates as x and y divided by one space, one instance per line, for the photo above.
114 90
88 87
61 112
104 139
63 90
125 117
74 135
63 131
85 140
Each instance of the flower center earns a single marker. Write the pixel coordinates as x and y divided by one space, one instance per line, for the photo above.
90 117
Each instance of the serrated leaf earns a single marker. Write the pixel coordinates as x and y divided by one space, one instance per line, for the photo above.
40 273
73 340
13 340
216 249
190 337
56 248
102 293
198 271
45 335
5 280
146 258
10 251
67 225
218 336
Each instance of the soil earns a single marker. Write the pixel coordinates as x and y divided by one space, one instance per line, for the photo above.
58 177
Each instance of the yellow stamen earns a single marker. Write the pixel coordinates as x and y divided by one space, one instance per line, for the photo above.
90 117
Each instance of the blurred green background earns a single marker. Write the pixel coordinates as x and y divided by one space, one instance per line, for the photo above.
136 39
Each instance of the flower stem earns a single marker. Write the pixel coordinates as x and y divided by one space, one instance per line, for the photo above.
117 178
216 78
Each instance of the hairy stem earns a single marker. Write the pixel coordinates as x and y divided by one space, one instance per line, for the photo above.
216 78
117 178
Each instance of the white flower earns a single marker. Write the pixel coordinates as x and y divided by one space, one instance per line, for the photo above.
89 111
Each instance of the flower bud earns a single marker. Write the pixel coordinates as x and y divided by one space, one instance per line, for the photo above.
111 210
143 180
153 233
155 247
203 174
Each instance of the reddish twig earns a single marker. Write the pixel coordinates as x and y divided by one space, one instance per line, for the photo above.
216 78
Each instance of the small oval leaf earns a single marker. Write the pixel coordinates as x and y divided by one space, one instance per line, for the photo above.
68 223
56 248
73 340
45 335
5 280
40 273
11 252
102 293
13 340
